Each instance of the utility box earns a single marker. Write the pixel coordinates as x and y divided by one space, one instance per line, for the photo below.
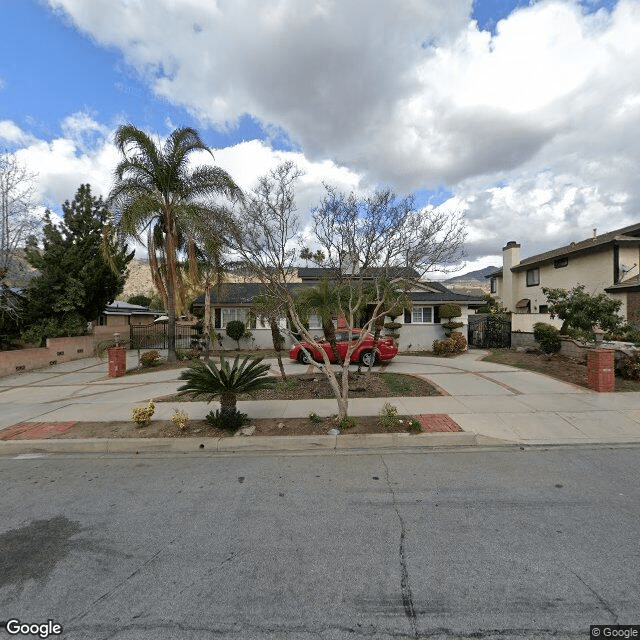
117 362
601 374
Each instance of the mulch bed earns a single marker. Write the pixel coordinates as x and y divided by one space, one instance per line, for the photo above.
200 428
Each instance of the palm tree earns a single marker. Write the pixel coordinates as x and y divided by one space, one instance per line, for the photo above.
156 192
269 308
205 380
325 300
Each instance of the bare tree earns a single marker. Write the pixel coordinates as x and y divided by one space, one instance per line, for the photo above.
16 224
374 247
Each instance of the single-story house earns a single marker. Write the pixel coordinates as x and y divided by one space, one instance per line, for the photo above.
421 323
119 315
606 263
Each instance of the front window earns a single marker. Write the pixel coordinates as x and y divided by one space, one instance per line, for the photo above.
233 314
533 277
494 285
422 315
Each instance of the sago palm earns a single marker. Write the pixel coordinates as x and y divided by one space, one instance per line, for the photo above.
159 194
205 380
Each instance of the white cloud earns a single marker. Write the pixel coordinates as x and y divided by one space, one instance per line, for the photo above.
86 154
11 134
535 129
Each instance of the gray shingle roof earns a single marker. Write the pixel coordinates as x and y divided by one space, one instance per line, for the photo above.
316 273
630 234
243 293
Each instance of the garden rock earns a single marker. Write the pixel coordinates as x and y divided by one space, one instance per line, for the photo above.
246 431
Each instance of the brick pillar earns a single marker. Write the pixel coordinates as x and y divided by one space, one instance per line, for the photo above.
601 370
342 321
117 362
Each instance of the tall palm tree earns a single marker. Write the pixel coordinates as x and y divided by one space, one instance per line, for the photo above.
157 192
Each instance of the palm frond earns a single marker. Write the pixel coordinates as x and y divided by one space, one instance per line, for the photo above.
206 380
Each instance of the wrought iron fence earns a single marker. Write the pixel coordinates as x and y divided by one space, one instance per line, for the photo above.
155 336
487 332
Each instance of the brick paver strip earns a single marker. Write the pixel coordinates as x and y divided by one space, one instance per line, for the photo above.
35 430
432 422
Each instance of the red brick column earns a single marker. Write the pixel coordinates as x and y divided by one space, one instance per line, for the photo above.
117 362
600 370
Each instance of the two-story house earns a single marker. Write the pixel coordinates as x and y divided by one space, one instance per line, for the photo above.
606 263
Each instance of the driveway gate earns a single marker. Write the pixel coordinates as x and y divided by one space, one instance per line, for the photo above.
486 331
154 336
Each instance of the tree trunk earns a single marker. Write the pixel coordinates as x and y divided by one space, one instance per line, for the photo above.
376 337
207 318
330 336
228 402
342 397
276 336
172 283
171 324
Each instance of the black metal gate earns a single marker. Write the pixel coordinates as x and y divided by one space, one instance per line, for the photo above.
155 336
486 332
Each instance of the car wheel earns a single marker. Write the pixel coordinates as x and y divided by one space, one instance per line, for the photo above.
304 358
368 358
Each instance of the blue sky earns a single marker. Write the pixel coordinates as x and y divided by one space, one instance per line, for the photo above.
518 115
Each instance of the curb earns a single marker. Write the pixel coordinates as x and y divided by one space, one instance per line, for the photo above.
263 444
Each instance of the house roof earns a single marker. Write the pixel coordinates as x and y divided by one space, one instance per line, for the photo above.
625 235
243 293
120 308
632 284
239 293
316 273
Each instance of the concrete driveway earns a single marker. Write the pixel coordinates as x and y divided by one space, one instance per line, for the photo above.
492 400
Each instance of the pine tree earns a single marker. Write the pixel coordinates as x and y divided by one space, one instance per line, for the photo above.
76 281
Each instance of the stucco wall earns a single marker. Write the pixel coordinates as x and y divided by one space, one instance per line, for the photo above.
525 321
57 350
594 271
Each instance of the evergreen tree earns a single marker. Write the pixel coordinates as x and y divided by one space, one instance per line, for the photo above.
76 280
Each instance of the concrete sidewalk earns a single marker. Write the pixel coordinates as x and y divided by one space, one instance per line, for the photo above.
492 403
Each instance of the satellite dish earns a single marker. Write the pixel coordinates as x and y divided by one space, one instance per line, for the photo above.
624 269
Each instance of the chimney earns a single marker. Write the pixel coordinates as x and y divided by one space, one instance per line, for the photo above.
594 234
510 258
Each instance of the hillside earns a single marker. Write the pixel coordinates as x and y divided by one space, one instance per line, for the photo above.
472 283
139 280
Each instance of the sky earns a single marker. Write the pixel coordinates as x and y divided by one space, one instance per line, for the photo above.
523 117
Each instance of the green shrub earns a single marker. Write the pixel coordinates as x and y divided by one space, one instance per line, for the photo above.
228 420
630 366
236 330
414 425
450 311
150 358
315 418
347 423
38 332
389 416
547 336
455 343
141 416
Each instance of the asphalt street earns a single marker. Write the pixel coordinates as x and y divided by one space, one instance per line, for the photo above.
485 543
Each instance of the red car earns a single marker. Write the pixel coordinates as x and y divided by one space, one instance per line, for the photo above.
385 349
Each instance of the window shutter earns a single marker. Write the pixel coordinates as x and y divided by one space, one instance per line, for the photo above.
436 314
407 316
